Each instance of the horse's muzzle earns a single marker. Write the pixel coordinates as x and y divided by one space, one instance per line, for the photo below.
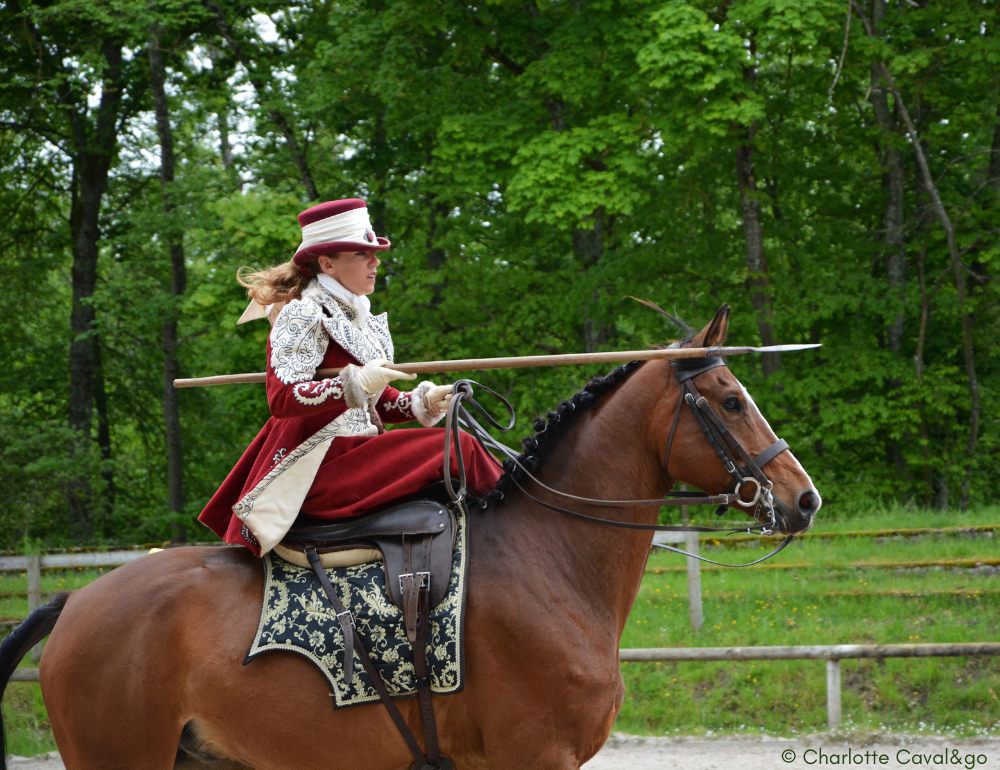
795 521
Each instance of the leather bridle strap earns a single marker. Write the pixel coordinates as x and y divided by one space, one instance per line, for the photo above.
682 378
478 433
771 452
729 441
654 527
679 498
457 415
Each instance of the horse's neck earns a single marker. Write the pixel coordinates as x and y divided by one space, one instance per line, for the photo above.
602 456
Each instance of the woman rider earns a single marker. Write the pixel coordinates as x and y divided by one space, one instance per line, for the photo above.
324 454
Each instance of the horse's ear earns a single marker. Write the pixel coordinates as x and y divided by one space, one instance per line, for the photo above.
714 334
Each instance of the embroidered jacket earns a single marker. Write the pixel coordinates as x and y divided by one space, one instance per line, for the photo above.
266 489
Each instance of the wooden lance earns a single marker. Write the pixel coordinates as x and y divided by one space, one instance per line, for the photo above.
514 362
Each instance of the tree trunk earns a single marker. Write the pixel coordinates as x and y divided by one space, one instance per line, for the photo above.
892 160
178 283
222 70
225 150
380 155
276 115
103 428
957 268
588 243
925 314
753 236
95 152
753 233
993 170
436 256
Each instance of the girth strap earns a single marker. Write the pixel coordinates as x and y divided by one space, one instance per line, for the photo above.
421 762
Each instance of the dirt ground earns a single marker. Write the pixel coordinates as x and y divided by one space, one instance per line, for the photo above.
626 752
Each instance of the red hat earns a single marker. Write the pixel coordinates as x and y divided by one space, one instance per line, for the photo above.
337 226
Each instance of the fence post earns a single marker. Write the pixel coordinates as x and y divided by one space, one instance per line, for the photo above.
35 596
833 693
694 580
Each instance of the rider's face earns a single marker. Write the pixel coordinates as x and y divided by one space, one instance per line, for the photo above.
355 270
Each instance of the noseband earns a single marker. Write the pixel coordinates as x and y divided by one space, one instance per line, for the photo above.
738 463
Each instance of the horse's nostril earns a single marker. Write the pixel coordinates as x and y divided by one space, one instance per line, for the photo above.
808 502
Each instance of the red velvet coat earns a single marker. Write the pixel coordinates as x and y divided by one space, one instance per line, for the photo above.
319 454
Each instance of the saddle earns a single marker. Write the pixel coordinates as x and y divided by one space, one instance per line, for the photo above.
415 540
393 533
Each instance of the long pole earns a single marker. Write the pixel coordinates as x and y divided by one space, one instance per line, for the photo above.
510 362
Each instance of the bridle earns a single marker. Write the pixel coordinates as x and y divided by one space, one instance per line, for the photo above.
737 461
739 464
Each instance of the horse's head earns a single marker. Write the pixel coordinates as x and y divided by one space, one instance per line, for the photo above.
694 460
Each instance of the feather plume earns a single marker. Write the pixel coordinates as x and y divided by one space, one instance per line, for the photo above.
650 304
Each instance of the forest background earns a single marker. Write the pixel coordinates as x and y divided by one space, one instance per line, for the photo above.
832 170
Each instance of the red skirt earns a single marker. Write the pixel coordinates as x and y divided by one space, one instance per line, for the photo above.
363 474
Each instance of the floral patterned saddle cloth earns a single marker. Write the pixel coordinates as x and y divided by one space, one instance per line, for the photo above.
296 616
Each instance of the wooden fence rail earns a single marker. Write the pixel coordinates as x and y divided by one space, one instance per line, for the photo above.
831 653
35 563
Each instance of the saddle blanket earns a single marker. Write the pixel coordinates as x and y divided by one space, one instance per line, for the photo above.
296 616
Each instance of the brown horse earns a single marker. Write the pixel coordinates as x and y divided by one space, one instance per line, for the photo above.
144 666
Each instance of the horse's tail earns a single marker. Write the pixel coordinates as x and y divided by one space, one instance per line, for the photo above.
30 632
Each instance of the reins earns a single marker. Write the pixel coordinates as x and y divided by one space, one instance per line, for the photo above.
741 466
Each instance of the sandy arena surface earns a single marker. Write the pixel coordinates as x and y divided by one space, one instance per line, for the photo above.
626 752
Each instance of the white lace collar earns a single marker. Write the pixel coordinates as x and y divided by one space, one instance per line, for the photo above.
359 302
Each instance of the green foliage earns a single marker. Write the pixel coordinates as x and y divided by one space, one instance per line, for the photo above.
532 164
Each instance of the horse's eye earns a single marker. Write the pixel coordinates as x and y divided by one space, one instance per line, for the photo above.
733 405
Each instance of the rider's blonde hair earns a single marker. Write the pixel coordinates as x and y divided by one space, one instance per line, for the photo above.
280 283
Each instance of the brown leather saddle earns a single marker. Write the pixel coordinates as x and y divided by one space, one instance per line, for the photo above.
393 532
416 541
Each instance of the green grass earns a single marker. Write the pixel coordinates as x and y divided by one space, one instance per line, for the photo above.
25 719
842 520
756 606
52 580
24 715
849 550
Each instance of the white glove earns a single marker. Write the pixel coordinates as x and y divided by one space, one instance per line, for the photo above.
374 376
437 399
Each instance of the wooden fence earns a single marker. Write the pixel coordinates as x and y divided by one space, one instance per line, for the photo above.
33 565
831 653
